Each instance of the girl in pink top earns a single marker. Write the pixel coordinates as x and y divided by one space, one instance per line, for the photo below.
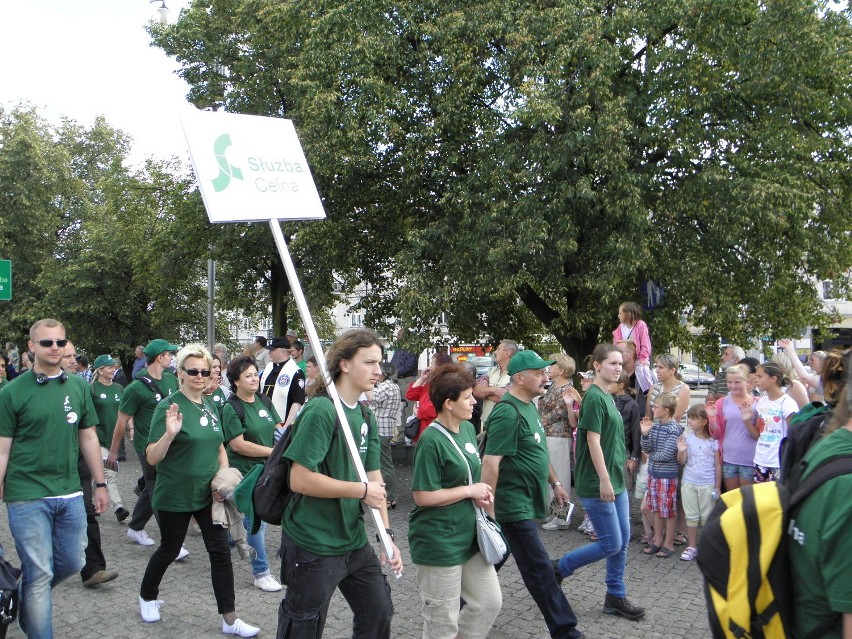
634 328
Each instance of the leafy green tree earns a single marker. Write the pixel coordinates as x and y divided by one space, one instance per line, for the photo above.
525 167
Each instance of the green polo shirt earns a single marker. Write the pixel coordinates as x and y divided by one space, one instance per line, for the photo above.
329 526
106 399
139 402
522 483
218 399
185 473
444 535
598 414
43 421
258 428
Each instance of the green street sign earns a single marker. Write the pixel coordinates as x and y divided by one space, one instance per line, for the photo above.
5 280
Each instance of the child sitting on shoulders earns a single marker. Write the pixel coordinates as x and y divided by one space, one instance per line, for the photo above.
702 475
659 441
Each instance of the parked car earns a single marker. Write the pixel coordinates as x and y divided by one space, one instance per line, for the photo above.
695 377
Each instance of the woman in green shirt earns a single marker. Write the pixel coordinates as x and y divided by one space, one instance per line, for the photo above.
4 364
250 441
214 391
442 528
106 396
187 446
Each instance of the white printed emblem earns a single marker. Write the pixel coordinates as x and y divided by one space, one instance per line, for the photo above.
301 383
67 401
363 433
71 417
537 438
262 413
203 421
284 379
103 395
470 448
157 397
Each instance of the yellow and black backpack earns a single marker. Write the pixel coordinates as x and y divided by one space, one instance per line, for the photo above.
742 555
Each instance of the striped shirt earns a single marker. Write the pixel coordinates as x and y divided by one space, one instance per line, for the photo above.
386 405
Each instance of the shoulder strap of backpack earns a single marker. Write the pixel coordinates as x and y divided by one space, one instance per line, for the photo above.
238 407
834 467
150 384
266 401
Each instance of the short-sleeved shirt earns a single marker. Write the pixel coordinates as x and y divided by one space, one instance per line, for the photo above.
598 414
818 544
139 402
700 468
772 416
218 399
106 399
522 483
554 412
330 526
185 473
258 428
444 535
43 421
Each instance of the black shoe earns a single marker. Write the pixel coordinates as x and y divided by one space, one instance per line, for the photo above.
556 573
121 514
620 606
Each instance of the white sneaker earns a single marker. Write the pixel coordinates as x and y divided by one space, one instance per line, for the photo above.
183 553
150 609
267 583
140 537
584 525
240 629
556 524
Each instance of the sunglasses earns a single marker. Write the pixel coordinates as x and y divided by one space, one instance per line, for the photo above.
194 372
47 343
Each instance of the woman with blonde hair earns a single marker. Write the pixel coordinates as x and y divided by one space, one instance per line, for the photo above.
731 424
796 390
559 421
187 445
667 367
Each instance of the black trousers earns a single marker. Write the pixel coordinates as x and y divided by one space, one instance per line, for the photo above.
95 560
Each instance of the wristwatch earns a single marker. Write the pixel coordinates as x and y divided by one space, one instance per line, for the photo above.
100 485
555 484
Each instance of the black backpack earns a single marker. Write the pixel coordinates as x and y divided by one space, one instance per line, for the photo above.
272 492
10 579
240 410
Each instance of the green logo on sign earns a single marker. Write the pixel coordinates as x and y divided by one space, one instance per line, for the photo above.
226 169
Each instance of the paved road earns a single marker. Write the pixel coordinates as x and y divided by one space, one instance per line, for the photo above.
669 588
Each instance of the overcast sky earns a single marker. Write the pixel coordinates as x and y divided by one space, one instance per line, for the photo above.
84 58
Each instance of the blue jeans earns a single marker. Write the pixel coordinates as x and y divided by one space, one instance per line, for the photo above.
259 564
612 527
311 580
50 536
537 572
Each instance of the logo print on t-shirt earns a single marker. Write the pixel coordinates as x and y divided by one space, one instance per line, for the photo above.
262 413
537 438
103 395
284 380
71 417
363 433
67 404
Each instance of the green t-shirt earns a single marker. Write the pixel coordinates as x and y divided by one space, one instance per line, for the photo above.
185 473
444 535
259 428
43 420
3 382
303 366
139 402
329 526
818 544
522 483
218 399
106 399
599 414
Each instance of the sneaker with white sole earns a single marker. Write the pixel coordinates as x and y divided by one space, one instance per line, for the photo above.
556 524
150 610
140 537
267 583
183 553
240 629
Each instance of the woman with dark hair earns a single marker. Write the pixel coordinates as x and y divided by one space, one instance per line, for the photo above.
419 392
187 447
324 541
4 367
215 390
387 406
442 527
770 417
599 481
250 441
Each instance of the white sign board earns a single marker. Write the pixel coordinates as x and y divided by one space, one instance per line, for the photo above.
250 168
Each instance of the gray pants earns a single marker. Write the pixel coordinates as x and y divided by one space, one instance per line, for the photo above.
143 510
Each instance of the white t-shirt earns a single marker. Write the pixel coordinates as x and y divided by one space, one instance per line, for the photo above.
772 419
700 468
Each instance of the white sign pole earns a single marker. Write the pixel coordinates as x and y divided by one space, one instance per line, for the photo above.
313 338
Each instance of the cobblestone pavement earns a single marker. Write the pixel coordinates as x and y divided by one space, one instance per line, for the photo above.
670 589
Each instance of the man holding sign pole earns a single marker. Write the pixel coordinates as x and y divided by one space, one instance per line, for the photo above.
324 540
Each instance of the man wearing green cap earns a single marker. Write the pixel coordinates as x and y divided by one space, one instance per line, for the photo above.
140 398
517 464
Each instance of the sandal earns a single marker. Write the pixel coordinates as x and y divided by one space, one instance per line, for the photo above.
593 537
680 539
689 554
664 553
646 539
651 549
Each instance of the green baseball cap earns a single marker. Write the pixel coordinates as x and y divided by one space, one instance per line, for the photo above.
157 346
523 360
104 360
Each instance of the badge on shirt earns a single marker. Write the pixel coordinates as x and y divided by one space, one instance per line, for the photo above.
71 417
103 395
262 413
363 434
284 379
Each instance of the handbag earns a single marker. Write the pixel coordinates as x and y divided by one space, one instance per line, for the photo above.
10 581
489 536
412 427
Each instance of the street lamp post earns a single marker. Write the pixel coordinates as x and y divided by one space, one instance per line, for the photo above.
162 11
